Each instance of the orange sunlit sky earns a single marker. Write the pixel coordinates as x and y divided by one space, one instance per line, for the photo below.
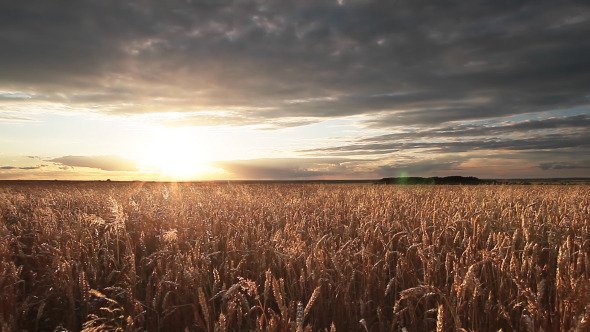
340 89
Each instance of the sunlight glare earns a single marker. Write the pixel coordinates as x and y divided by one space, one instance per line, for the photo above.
176 155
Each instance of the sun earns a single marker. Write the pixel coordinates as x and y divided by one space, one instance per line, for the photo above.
175 155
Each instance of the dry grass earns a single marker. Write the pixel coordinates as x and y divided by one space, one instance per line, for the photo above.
282 257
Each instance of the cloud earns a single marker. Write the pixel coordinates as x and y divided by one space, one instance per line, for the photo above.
420 167
21 167
9 118
401 63
549 144
545 134
106 163
291 168
565 165
572 123
228 118
346 168
13 96
554 141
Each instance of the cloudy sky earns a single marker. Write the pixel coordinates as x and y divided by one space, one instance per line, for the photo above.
339 89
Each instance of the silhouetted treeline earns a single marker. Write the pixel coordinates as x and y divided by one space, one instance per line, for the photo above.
436 180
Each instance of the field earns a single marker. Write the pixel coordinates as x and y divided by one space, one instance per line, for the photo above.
293 257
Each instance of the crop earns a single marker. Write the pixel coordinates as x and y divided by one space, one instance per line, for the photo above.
293 257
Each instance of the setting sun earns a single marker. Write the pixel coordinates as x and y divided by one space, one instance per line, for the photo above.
175 155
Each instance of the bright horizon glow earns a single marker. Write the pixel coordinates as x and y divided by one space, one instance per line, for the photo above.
175 154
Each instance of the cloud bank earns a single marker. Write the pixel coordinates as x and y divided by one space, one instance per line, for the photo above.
407 64
106 163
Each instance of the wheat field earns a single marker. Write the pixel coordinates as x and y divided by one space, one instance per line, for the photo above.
293 257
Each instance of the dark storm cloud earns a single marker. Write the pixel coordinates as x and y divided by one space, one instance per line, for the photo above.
106 163
405 63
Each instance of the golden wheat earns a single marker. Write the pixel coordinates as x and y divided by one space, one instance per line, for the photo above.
293 257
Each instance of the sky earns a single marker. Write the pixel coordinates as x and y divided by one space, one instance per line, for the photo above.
339 89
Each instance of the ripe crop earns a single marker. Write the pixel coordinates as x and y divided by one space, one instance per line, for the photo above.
293 257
